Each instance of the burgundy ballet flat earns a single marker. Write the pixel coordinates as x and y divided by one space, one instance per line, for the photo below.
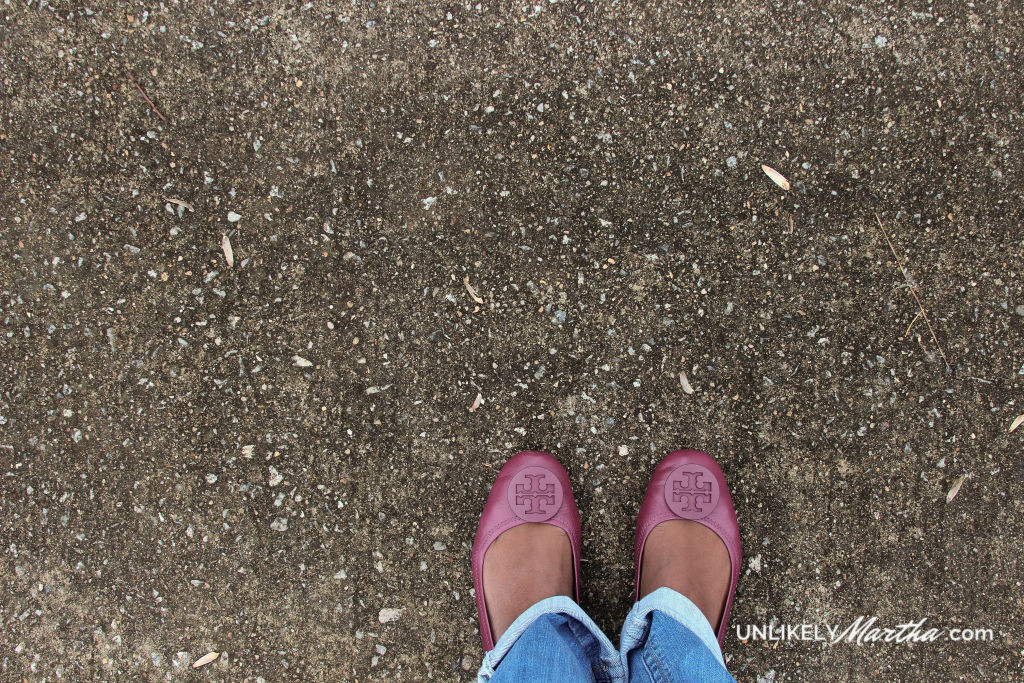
531 487
690 485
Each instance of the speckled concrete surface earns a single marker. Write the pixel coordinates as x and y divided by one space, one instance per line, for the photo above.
256 460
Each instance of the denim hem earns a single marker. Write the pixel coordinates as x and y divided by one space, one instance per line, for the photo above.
672 604
559 604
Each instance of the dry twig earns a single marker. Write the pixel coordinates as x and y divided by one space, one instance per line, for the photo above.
180 202
146 97
472 291
911 324
913 291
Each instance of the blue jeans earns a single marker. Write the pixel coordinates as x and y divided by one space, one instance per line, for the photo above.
665 638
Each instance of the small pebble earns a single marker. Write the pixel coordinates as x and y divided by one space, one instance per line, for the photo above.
388 614
275 477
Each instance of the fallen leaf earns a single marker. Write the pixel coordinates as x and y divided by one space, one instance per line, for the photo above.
229 255
472 292
301 362
776 177
205 659
1017 422
476 403
956 488
685 382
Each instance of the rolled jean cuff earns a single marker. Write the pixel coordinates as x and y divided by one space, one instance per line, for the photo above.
559 604
674 605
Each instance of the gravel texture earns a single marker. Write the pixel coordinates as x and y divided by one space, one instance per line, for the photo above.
455 231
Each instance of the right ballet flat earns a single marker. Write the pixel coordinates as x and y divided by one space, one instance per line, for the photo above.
689 485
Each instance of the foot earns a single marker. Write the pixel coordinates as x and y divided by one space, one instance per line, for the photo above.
523 566
690 559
